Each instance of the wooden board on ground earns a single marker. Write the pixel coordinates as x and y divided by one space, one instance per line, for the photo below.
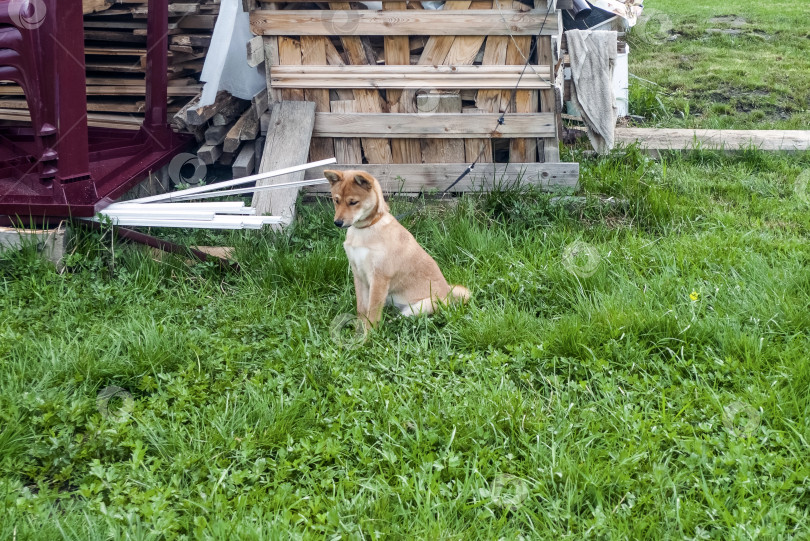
287 144
681 139
548 176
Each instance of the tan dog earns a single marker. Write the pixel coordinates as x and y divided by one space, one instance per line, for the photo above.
388 264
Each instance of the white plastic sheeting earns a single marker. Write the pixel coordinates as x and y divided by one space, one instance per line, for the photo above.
226 66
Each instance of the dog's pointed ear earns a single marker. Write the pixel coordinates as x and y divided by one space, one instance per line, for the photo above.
332 176
364 180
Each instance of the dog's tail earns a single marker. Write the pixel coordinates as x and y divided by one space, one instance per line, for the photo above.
458 294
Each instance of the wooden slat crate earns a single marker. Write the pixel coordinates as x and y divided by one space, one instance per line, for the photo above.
423 88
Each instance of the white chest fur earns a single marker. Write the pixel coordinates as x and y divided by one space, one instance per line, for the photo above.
358 255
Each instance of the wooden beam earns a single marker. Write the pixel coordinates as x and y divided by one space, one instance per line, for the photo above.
92 6
287 145
548 176
245 129
465 22
271 59
478 149
255 51
200 115
407 77
464 51
99 120
115 90
208 154
245 162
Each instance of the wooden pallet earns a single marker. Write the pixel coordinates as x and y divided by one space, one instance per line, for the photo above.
422 88
115 59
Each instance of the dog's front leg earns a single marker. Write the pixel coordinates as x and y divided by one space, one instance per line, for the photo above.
361 293
378 292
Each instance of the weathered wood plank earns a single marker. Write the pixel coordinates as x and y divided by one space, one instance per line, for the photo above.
489 100
366 100
313 51
215 135
525 101
680 139
480 149
208 154
200 115
548 176
548 150
397 52
465 22
347 149
271 60
406 77
289 54
441 150
464 52
437 47
287 145
436 125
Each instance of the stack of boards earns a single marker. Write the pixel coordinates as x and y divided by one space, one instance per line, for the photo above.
115 57
411 91
184 209
404 85
230 131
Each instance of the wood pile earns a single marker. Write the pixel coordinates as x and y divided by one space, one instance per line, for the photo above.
419 87
229 130
115 58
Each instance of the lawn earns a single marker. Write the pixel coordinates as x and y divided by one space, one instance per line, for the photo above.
736 64
650 383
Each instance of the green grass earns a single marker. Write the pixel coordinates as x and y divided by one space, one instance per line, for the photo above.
553 406
757 77
559 404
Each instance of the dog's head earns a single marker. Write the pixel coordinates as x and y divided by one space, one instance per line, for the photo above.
357 196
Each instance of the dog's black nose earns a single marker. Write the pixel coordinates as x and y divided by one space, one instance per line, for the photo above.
339 223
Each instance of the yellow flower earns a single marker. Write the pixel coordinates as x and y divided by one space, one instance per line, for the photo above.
693 296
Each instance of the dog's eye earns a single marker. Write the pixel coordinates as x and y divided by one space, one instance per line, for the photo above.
352 203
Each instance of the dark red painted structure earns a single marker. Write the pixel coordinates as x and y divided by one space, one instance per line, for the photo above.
57 166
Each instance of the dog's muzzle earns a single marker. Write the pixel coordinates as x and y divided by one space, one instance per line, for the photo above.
339 223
